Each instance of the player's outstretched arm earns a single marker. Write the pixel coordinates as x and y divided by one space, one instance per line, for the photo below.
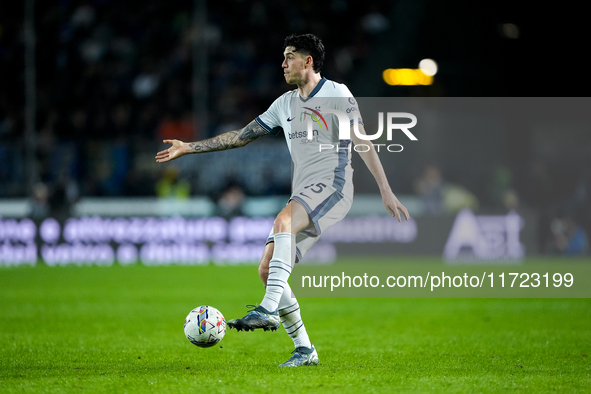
372 161
230 140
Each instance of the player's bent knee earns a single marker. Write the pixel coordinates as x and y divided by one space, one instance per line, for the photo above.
282 224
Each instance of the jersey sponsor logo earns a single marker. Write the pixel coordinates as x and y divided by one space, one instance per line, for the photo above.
315 115
301 134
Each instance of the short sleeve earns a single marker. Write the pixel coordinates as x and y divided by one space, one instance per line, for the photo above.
348 105
269 120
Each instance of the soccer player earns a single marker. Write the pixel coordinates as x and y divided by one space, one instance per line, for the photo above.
322 189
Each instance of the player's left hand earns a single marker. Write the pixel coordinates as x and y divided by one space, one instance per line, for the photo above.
394 207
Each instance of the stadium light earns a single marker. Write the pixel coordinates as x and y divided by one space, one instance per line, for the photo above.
410 76
406 76
428 67
509 30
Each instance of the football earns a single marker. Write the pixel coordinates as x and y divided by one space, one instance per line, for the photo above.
205 326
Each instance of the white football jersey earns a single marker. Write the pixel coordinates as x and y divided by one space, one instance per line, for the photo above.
313 159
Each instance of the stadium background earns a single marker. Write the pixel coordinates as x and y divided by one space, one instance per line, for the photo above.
112 79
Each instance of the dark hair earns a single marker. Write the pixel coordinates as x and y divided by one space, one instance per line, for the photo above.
308 44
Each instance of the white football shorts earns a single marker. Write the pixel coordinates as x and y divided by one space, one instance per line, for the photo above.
325 205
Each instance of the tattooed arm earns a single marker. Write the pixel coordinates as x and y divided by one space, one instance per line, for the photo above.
230 140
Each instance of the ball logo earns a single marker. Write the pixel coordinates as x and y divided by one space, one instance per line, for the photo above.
221 324
202 326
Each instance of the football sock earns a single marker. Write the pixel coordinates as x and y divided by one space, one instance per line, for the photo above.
289 313
279 270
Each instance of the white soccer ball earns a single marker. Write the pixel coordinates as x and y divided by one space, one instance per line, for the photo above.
205 326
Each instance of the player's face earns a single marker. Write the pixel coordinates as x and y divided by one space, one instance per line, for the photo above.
294 66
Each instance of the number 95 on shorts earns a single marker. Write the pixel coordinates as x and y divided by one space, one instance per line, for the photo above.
325 204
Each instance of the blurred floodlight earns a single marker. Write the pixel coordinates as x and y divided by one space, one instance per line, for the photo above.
406 76
510 30
428 67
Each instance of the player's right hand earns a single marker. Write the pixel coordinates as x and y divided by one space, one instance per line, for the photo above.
175 151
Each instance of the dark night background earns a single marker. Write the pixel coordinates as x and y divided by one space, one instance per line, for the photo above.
113 79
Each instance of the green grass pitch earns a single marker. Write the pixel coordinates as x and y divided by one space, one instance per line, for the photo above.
120 329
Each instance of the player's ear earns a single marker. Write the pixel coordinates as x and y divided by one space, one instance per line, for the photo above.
309 61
